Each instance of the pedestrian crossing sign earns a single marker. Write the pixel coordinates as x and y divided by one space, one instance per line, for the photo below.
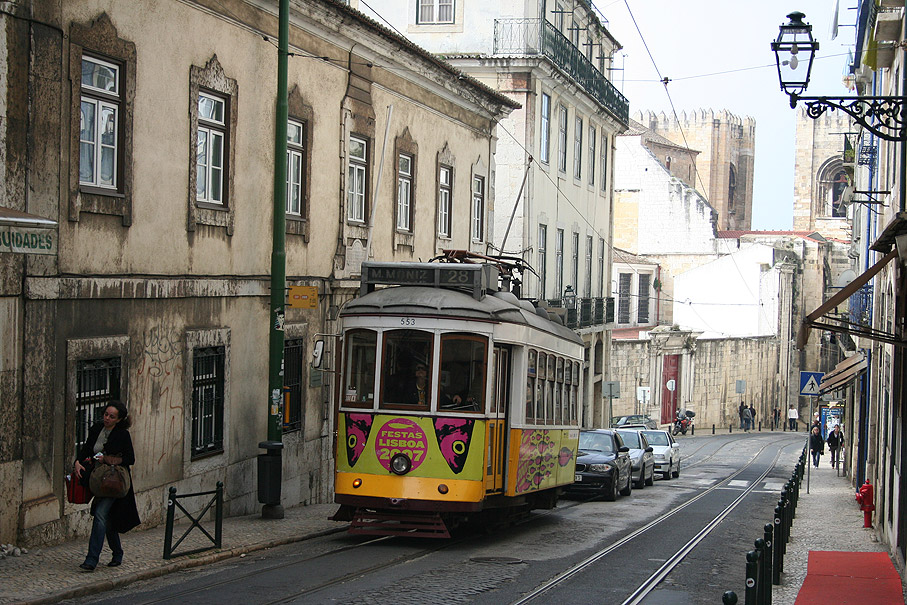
809 382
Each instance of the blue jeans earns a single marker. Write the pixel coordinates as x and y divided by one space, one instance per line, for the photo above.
101 528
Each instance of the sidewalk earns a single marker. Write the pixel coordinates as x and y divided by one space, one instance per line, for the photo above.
50 574
828 519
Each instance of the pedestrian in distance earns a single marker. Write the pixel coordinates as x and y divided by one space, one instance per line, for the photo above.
816 445
740 413
747 418
792 416
752 418
112 516
835 442
776 418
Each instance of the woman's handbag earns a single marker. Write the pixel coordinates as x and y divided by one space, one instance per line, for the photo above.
110 481
76 493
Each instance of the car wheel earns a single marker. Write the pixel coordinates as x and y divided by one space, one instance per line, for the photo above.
642 479
611 494
667 475
651 479
676 473
629 489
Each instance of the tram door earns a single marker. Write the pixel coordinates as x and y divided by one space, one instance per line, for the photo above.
496 439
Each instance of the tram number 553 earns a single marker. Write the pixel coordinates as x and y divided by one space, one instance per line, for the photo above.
407 321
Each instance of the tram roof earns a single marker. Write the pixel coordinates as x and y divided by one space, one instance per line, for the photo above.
421 300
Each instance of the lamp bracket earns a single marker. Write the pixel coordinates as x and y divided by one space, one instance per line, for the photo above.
882 116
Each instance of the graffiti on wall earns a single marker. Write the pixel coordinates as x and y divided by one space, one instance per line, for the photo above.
157 358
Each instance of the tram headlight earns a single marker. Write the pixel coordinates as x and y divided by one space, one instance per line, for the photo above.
401 464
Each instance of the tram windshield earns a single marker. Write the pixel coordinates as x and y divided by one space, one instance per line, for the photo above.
462 376
406 368
360 368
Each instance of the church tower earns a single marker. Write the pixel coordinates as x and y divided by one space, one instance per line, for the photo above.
724 166
822 169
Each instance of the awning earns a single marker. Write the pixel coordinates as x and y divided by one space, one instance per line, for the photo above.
844 372
816 319
8 216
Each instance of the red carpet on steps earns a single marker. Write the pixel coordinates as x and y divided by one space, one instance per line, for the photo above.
850 577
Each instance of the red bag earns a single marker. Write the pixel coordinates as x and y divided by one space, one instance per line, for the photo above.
76 493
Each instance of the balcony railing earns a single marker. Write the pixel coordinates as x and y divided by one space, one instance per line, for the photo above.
860 304
539 37
587 312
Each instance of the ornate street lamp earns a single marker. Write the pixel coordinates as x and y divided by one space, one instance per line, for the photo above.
795 50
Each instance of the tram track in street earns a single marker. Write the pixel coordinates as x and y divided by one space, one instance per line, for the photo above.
651 582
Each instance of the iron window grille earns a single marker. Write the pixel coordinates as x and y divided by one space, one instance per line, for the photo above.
293 356
208 400
97 384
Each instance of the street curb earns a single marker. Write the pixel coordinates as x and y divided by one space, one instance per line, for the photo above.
197 561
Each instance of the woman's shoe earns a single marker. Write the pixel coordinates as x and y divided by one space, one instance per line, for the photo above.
114 563
86 567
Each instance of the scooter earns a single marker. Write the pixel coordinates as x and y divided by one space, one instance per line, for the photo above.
683 422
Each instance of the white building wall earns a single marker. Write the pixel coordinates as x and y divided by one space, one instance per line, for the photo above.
735 295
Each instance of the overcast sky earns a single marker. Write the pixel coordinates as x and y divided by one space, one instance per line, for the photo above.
717 54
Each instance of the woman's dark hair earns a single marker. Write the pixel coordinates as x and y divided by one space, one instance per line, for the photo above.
122 412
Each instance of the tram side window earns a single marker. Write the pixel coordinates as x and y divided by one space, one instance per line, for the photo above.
549 394
530 387
574 394
406 369
561 393
360 368
462 376
540 391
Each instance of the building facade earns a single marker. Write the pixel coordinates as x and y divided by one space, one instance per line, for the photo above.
139 161
553 183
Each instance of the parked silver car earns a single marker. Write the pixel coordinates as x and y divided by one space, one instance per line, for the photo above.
667 453
642 458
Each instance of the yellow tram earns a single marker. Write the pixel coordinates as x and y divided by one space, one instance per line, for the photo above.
455 400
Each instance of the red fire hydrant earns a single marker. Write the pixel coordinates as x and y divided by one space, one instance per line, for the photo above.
864 498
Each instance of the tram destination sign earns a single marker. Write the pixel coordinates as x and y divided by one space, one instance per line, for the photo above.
472 278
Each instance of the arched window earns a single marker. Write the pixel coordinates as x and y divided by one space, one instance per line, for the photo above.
833 178
732 188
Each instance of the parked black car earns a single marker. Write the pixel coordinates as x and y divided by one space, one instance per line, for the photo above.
642 460
602 465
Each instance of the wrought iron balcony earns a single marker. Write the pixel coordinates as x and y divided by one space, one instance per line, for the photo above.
588 312
860 304
526 37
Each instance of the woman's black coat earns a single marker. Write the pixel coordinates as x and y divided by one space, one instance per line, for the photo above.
835 440
816 443
123 514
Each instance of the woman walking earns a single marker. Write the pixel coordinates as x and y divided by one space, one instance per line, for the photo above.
816 445
112 516
835 443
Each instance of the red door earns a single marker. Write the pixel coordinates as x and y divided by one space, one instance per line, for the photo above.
670 387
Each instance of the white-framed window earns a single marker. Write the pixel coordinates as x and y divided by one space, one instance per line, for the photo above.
99 123
578 148
543 259
634 296
295 167
559 262
559 13
210 147
592 131
436 11
356 179
404 192
587 282
562 138
603 161
545 142
478 208
445 187
575 264
601 267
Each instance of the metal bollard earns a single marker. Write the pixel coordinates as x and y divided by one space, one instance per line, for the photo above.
729 598
692 429
713 432
768 560
751 595
730 428
777 552
760 426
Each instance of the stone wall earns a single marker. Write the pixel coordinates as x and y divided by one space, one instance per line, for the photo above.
717 364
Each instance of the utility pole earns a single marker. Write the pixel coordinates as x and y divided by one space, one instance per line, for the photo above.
270 464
